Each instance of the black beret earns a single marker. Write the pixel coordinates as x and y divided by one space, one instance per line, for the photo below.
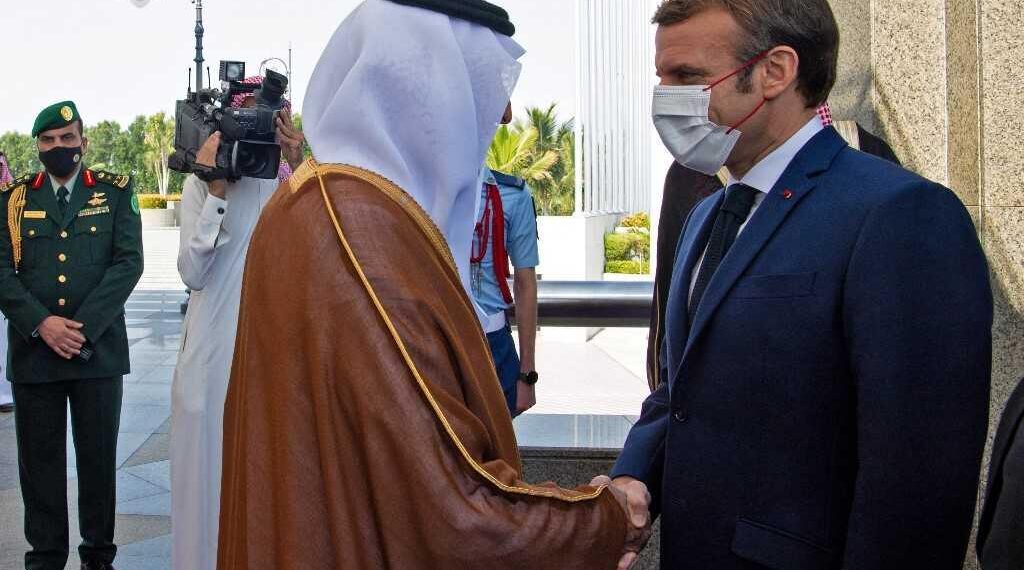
476 11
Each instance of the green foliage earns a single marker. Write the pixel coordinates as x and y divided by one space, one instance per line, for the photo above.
627 247
638 220
158 144
22 155
628 267
540 149
152 202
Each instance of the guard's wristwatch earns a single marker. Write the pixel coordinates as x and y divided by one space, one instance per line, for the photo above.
528 378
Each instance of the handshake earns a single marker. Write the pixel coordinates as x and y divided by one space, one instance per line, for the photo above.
635 501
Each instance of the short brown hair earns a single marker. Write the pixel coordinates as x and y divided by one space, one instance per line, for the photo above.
807 26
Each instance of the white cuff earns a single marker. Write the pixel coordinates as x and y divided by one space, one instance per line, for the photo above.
214 209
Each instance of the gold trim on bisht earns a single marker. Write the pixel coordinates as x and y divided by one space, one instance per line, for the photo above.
311 169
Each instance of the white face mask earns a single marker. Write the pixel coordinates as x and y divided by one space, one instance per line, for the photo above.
681 117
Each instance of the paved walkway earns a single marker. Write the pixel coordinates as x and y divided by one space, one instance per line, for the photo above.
586 396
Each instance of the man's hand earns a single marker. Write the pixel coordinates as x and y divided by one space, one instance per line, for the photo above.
290 138
635 502
208 157
62 335
526 397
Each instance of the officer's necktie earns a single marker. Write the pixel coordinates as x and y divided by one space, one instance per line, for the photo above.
62 202
739 199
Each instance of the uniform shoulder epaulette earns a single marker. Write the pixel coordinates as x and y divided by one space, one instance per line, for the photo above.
121 181
508 180
15 183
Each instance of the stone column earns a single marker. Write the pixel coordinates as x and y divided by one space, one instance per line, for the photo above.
1002 184
851 96
948 88
908 48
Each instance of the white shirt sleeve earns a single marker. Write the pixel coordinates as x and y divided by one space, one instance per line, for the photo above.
202 232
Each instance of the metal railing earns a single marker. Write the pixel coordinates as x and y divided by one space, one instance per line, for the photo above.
594 303
588 303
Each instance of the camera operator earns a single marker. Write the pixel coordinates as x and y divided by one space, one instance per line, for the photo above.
217 220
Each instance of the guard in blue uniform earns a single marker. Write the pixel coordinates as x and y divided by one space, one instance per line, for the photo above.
506 230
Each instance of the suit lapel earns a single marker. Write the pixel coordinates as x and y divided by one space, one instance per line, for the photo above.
78 199
795 184
45 199
688 252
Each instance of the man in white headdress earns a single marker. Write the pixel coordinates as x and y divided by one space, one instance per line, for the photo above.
364 426
217 220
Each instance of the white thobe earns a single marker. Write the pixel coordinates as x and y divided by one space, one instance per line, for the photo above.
215 237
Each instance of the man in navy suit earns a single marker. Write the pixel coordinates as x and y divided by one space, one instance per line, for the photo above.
827 346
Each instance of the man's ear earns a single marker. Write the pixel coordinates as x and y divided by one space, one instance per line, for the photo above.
781 67
85 145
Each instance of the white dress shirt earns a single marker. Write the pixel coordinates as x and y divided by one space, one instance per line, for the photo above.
764 175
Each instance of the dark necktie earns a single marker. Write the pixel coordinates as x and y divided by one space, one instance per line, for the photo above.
62 201
739 199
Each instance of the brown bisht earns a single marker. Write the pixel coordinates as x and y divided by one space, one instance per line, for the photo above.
364 425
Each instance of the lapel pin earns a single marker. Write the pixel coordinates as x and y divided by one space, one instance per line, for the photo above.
787 194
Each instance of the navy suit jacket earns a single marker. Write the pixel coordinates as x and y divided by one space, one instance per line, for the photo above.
828 406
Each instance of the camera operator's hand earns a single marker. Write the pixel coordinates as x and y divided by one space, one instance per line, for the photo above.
290 138
207 156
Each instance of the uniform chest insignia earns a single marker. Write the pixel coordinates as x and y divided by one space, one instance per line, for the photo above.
94 211
97 199
35 215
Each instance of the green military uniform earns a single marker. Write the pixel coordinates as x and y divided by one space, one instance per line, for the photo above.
79 260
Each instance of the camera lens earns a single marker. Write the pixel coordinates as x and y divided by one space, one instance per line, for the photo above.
272 90
249 161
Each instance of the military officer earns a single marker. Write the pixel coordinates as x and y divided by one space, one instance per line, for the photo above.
70 254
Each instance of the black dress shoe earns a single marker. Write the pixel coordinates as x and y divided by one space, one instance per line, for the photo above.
6 408
97 566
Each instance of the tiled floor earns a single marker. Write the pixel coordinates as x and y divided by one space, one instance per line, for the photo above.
587 394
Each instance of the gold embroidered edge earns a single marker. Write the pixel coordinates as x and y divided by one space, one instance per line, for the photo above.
318 171
311 168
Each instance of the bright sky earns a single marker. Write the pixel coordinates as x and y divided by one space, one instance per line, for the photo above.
117 61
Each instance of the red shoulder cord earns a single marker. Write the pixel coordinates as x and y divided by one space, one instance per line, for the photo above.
492 225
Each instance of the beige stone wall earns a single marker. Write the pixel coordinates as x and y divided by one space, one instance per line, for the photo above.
945 86
1001 100
851 96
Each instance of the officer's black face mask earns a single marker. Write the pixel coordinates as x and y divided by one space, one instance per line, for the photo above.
61 161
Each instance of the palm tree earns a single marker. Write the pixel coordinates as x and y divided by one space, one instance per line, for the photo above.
540 149
515 152
545 122
159 144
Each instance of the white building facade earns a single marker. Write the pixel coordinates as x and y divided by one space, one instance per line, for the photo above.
620 162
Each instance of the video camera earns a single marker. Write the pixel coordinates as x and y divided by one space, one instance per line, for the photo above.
248 136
